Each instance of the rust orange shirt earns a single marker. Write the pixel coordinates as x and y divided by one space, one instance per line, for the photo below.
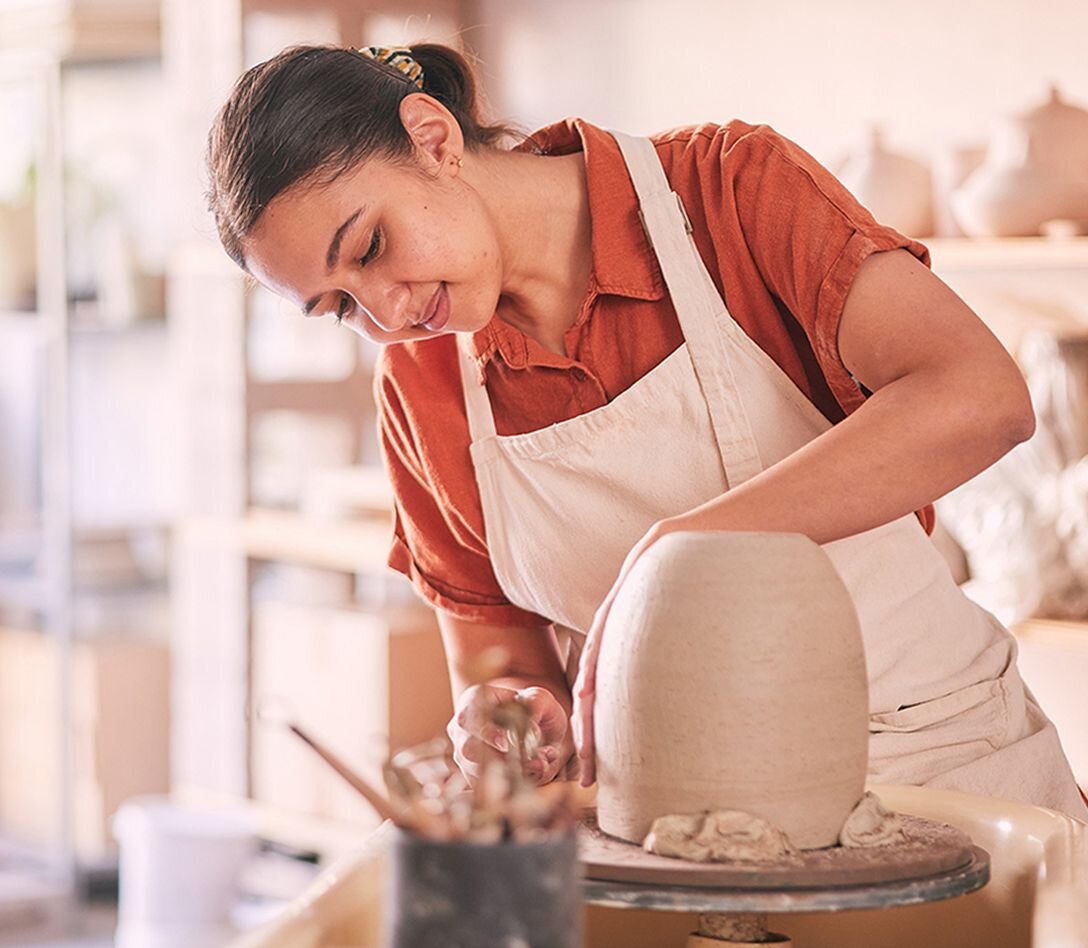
782 240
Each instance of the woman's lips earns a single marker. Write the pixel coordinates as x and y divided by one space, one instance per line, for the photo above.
438 310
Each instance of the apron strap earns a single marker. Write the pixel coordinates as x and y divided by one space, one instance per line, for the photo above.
702 313
481 420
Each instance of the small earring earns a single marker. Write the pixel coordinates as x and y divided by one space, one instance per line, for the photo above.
459 161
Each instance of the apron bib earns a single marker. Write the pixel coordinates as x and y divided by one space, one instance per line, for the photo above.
564 505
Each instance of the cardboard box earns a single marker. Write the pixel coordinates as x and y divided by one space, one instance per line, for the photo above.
120 735
360 682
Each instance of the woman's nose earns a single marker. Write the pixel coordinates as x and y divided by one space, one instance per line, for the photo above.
385 304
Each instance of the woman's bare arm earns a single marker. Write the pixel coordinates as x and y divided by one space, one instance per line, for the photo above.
947 402
534 655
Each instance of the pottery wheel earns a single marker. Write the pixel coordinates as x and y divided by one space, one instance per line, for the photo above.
930 849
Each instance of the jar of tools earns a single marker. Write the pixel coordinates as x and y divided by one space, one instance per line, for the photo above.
492 864
487 864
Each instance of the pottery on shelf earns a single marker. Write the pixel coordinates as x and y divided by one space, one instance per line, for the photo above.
896 189
1036 170
732 677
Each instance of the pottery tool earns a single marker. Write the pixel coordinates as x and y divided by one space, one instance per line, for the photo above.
277 711
381 805
428 795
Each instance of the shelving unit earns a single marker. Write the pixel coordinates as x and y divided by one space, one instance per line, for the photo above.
53 670
1008 253
1018 285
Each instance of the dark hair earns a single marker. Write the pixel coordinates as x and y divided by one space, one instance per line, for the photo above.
311 113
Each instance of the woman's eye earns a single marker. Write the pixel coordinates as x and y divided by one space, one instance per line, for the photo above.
372 250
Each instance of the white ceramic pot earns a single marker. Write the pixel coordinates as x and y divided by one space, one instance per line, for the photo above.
896 189
1036 170
732 676
179 868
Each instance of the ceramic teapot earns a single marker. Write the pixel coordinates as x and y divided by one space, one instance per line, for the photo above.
1036 170
732 677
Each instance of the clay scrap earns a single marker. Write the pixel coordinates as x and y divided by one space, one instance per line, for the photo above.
736 836
721 836
870 824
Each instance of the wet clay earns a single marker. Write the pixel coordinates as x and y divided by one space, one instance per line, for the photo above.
735 836
732 677
871 824
722 836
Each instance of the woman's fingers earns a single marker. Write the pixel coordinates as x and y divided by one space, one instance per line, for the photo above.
585 686
475 707
587 765
547 712
545 765
585 689
474 737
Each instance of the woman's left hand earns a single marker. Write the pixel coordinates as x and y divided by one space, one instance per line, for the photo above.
585 685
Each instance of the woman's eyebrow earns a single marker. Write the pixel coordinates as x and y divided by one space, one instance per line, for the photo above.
338 238
333 253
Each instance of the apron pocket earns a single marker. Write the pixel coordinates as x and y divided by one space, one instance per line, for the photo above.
927 714
916 743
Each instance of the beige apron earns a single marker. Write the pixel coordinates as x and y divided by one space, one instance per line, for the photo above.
564 505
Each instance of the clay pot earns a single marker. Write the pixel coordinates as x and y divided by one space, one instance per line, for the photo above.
897 190
732 676
1036 170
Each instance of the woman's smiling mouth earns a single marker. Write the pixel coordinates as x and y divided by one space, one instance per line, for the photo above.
437 313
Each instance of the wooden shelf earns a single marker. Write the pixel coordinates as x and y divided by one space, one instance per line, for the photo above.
1007 253
75 31
1066 632
347 546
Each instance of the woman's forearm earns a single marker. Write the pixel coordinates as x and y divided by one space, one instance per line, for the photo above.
530 656
910 443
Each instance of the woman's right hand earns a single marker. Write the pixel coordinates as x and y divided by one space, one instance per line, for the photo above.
474 736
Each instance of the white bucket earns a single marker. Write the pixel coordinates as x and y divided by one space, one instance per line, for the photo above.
179 868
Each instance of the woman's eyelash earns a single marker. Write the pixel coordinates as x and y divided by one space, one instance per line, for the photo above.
345 303
375 246
342 307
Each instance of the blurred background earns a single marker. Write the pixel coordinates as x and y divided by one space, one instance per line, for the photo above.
193 519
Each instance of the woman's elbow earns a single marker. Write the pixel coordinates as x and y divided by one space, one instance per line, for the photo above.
1016 422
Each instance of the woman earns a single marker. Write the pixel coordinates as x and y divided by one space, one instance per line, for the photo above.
560 387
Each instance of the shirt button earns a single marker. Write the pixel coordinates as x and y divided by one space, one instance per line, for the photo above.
579 374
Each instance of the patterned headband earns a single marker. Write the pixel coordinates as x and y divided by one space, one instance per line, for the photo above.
399 58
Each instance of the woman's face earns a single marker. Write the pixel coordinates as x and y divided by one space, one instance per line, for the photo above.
394 252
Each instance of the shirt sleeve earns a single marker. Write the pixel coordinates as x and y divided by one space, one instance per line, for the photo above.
445 559
808 236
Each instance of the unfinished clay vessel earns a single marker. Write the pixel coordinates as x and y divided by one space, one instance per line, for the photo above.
732 677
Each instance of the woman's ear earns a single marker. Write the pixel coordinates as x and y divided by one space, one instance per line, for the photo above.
432 128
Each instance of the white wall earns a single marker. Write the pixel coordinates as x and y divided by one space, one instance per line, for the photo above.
936 72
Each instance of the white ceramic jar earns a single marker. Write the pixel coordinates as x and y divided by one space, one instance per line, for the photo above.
896 189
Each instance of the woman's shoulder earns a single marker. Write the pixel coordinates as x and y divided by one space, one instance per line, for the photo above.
718 144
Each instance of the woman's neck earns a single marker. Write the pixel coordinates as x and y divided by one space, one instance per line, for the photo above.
540 210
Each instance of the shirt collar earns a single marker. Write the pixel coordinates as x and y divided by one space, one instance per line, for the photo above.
623 261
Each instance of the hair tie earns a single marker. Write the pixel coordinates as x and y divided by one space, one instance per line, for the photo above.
399 58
